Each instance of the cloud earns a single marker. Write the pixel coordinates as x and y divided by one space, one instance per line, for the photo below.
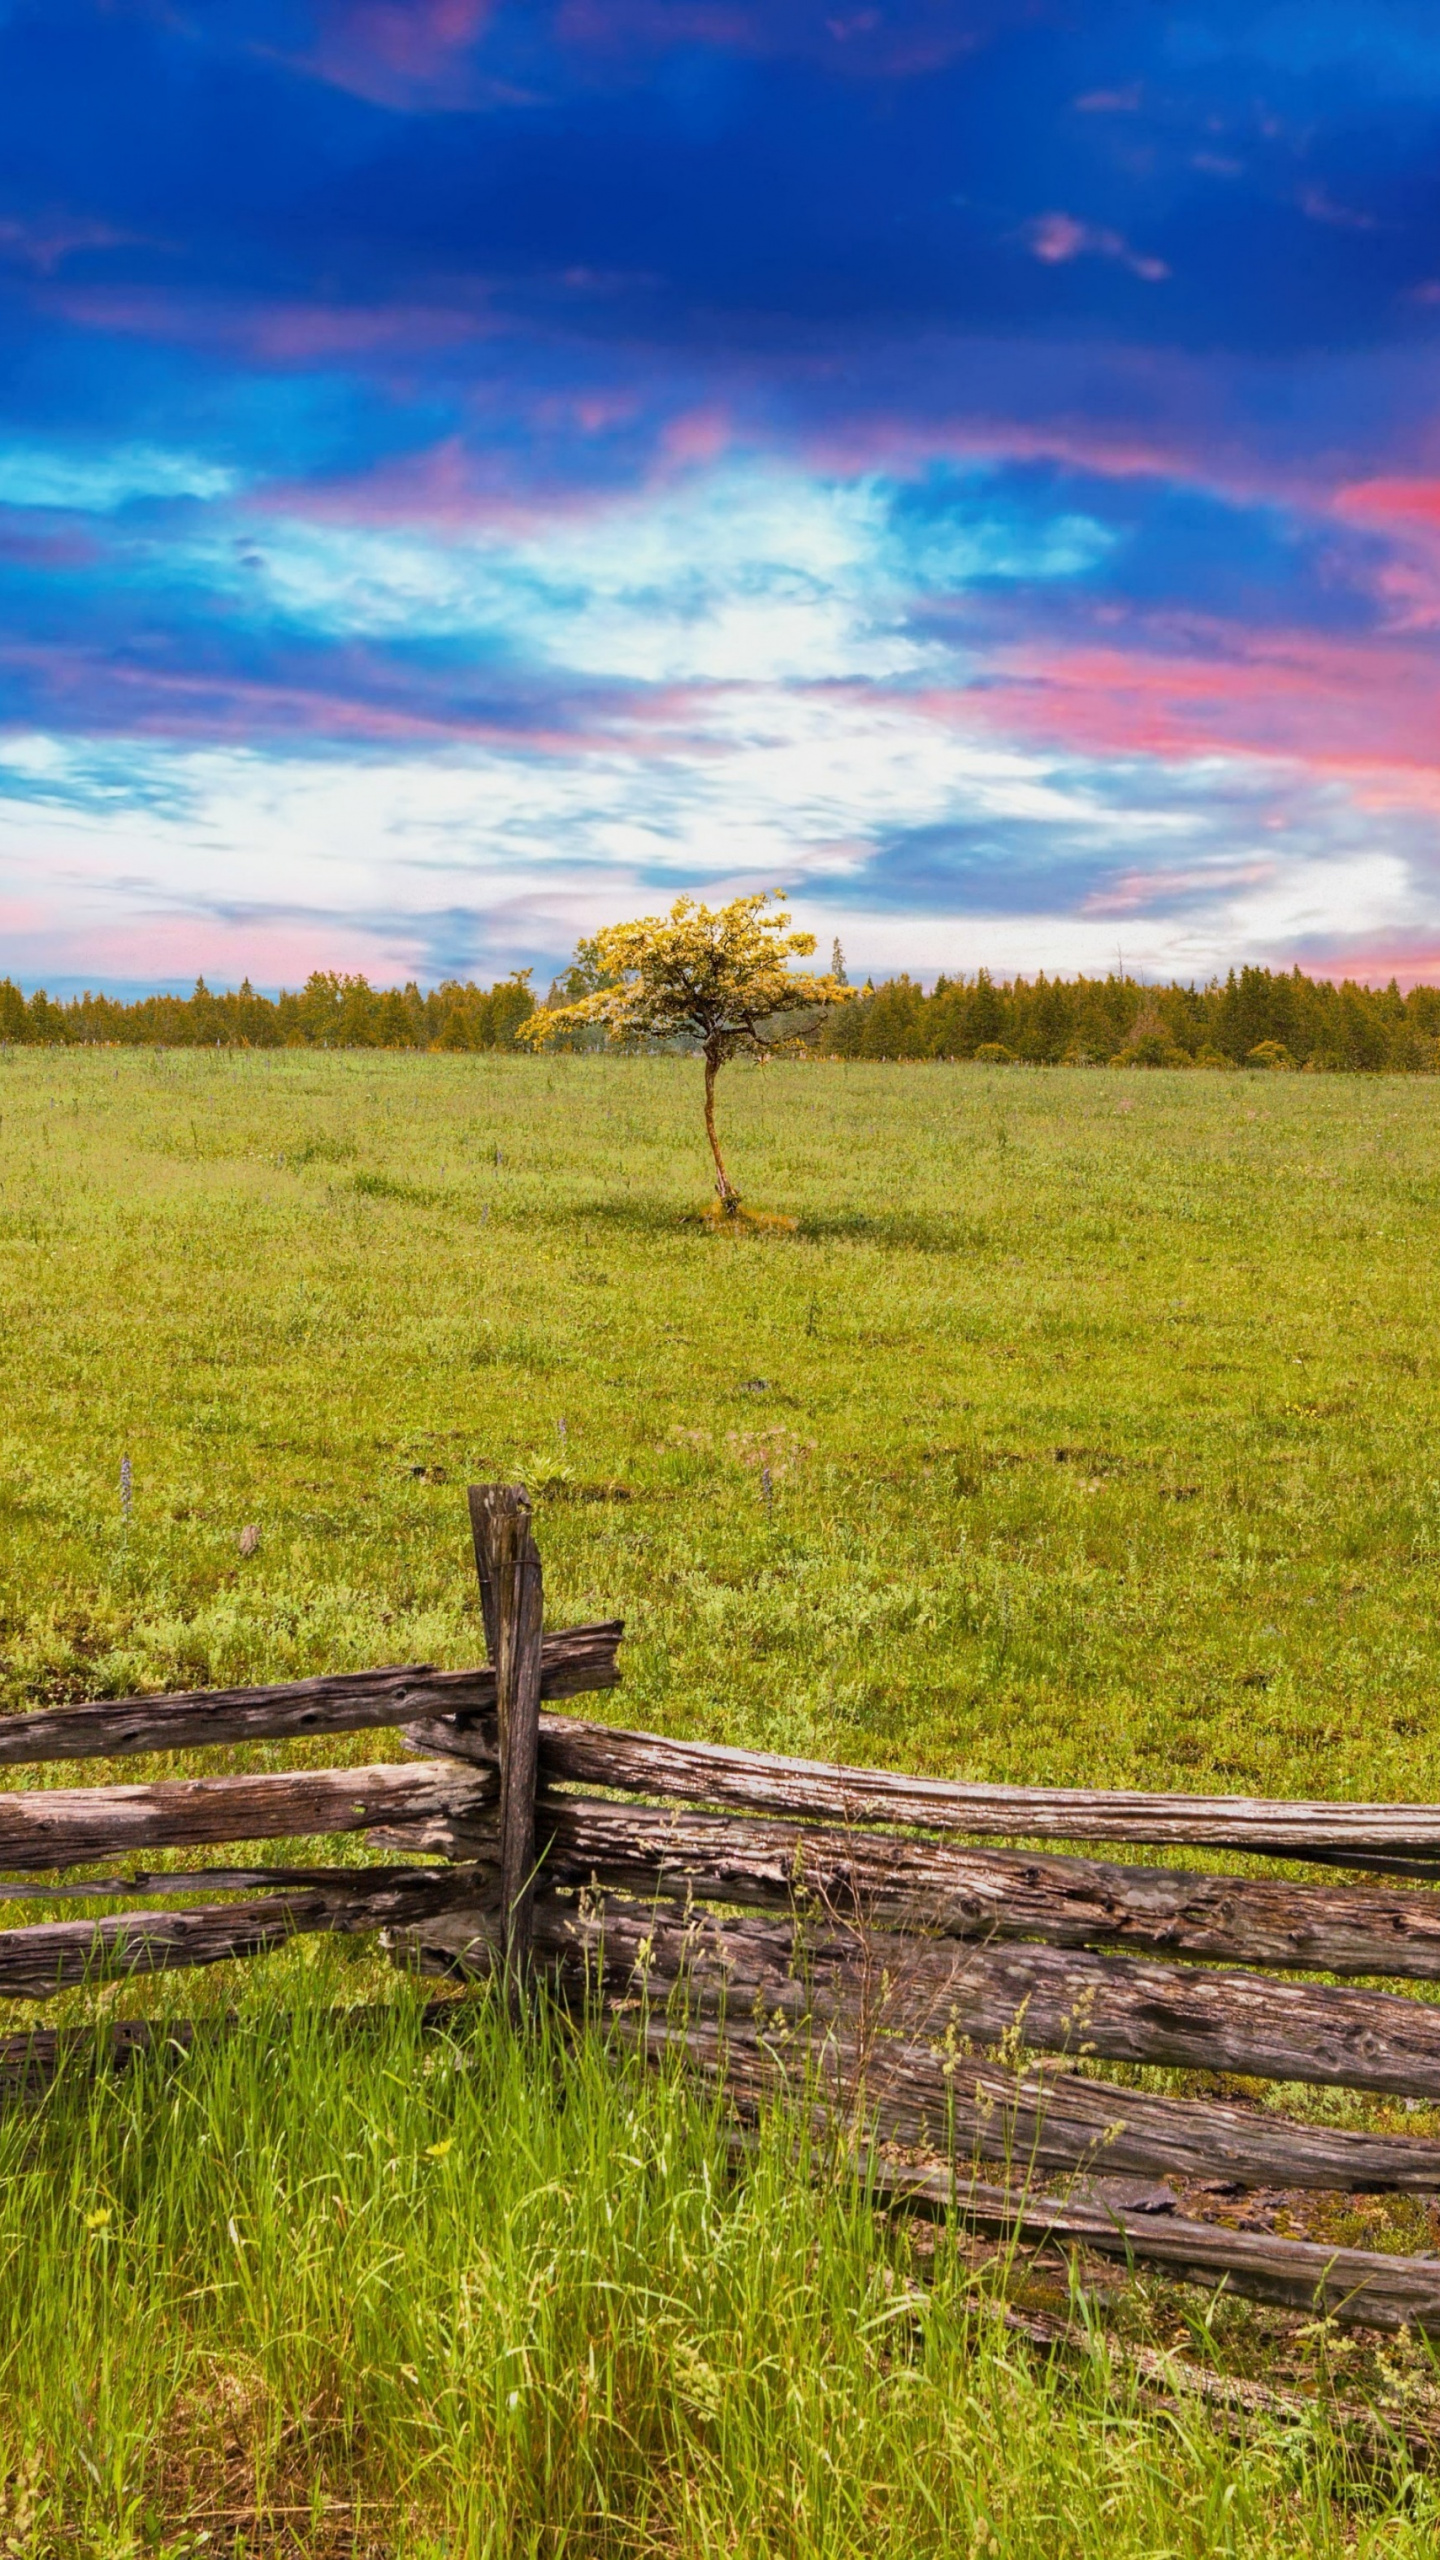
298 333
1020 854
493 462
1409 504
1319 206
1330 706
904 40
1057 238
44 242
33 475
409 55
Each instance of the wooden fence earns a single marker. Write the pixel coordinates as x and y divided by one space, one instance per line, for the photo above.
839 1931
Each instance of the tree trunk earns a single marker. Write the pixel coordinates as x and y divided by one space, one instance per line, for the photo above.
728 1195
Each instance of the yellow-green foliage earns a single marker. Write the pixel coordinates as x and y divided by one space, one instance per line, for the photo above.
712 976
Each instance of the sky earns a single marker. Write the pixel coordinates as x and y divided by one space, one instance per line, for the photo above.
470 472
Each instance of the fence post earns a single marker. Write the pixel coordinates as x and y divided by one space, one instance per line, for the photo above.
507 1561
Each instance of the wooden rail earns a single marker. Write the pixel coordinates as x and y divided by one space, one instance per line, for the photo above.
958 1890
591 1755
70 1826
1112 2009
789 1924
575 1659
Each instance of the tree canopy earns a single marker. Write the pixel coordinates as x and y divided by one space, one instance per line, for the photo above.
714 978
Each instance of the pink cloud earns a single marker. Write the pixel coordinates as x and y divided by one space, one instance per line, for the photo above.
404 53
170 702
359 704
598 413
1135 891
475 485
181 944
44 245
903 42
1056 238
280 333
1411 504
20 542
698 436
1359 711
898 444
413 37
454 484
1110 102
1321 207
1413 961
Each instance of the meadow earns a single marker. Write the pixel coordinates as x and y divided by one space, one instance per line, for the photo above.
1082 1429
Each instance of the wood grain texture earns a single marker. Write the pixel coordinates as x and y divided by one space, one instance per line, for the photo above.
507 1562
69 1826
576 1752
56 1956
952 1888
1114 2008
573 1659
1036 2119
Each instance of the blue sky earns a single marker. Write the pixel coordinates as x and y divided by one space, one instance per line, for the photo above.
469 472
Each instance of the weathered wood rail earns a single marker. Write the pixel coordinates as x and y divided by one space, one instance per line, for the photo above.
853 1936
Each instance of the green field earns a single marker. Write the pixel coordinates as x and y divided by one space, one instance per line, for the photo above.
1083 1429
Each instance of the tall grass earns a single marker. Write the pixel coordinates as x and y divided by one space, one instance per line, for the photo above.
481 2293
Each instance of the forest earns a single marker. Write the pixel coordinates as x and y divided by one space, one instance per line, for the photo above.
1254 1017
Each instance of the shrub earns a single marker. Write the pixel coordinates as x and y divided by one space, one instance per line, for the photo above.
1151 1049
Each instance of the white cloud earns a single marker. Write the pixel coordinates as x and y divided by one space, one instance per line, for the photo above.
230 861
95 483
736 575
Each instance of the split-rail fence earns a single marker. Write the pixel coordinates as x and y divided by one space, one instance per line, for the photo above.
855 1935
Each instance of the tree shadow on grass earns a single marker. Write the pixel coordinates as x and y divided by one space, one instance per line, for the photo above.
623 1217
901 1230
897 1230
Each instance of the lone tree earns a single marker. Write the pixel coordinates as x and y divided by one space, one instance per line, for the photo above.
711 976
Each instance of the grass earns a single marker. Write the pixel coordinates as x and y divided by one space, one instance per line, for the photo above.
487 2295
1083 1429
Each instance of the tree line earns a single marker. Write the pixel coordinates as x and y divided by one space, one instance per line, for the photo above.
329 1012
1254 1017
